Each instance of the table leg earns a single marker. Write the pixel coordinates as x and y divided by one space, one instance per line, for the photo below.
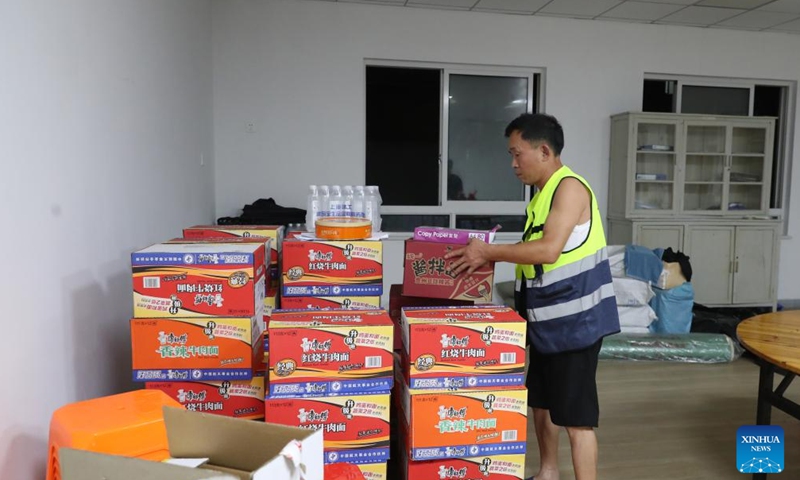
764 406
765 381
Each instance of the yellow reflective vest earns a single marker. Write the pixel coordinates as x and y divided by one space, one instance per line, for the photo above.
570 303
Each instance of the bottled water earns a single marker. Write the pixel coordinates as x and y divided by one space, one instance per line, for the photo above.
347 201
372 205
335 204
312 210
358 201
324 201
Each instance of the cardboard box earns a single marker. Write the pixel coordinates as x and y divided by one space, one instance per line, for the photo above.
454 236
468 423
426 273
85 465
197 280
332 268
349 423
374 471
330 352
192 349
238 398
331 303
463 347
397 301
274 232
490 467
273 272
251 450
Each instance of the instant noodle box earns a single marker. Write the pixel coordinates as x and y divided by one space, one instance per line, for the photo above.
271 270
332 268
198 280
271 303
193 349
426 273
373 471
231 398
274 232
488 467
397 301
463 347
353 426
328 303
468 423
329 352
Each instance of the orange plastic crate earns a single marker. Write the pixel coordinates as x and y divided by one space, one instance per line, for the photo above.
130 424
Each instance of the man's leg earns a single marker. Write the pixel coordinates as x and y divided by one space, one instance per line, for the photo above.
547 436
583 443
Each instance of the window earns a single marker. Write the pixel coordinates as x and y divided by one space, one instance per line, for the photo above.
730 96
435 144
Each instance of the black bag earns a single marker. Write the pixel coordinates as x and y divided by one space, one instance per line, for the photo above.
265 212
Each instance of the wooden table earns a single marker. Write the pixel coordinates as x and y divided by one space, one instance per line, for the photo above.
775 339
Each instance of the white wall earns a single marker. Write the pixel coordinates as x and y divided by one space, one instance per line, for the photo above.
296 70
106 109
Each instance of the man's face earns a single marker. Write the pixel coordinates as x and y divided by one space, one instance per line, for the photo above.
526 159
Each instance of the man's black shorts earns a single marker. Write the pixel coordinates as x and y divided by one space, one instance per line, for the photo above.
565 384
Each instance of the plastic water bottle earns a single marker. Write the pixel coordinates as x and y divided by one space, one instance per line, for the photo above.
312 208
378 203
372 204
335 203
358 201
347 201
324 201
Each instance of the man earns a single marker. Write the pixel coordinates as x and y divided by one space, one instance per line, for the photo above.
563 288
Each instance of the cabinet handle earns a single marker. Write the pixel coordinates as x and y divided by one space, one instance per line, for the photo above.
736 266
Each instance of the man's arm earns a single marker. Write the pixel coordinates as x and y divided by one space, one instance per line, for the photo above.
570 207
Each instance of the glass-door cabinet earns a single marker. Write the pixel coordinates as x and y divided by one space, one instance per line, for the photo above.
655 166
665 165
725 167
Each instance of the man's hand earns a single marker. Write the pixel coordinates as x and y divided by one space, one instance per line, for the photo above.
469 258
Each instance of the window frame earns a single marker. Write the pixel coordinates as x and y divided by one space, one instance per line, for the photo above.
463 207
782 162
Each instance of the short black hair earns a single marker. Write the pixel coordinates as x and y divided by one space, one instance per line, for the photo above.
536 127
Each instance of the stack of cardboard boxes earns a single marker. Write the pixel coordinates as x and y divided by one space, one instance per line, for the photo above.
460 389
332 370
197 326
335 274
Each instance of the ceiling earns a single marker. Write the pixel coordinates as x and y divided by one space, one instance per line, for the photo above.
753 15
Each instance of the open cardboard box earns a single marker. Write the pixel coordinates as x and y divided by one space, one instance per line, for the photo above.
83 465
246 449
209 447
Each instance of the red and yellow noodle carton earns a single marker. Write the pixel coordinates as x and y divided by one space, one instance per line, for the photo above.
230 398
466 423
350 423
194 349
331 303
198 280
329 352
489 467
332 268
274 232
463 347
373 471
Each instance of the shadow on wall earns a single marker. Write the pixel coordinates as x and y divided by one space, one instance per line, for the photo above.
101 307
23 445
